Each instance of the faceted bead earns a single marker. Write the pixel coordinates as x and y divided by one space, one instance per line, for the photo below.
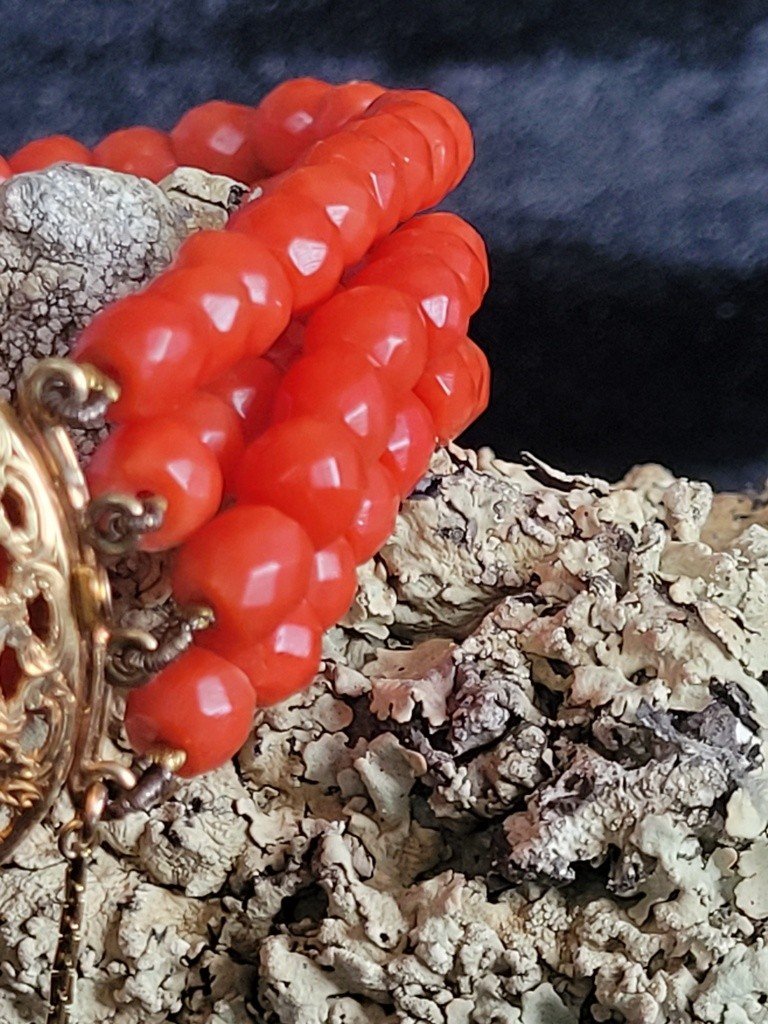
448 111
332 582
288 346
285 122
344 103
251 564
385 325
343 192
479 372
216 292
442 144
307 468
443 220
218 426
249 388
286 661
51 150
412 158
163 457
145 152
448 391
447 246
339 385
201 704
439 291
153 348
219 137
298 232
376 515
259 271
410 445
376 162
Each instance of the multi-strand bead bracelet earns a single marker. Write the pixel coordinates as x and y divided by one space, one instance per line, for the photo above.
284 382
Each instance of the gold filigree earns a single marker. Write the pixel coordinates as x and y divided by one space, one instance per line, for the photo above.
42 664
54 603
58 647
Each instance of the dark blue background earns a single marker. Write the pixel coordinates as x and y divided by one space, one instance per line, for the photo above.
622 182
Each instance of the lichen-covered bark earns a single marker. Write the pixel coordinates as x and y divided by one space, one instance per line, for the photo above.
531 789
74 238
528 787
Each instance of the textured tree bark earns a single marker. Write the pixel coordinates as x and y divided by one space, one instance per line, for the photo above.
529 785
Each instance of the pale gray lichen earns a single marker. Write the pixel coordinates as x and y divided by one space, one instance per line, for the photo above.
74 238
539 816
528 787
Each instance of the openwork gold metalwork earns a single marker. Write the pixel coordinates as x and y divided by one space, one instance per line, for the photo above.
54 606
58 648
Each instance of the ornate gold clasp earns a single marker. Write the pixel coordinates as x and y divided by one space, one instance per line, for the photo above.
58 647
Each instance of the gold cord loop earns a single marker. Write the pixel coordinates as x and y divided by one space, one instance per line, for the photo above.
134 655
66 392
114 523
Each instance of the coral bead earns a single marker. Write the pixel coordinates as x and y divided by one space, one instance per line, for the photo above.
449 247
339 385
288 346
410 445
297 231
153 348
333 582
376 515
164 457
448 391
479 372
438 290
286 661
218 427
455 118
5 169
249 388
376 162
343 192
442 144
443 220
251 564
449 112
412 157
219 137
259 272
386 326
343 103
145 152
285 122
51 150
201 704
217 293
309 469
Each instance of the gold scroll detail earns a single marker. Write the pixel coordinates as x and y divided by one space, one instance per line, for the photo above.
54 602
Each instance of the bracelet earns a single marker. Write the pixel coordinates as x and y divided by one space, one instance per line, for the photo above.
274 395
282 386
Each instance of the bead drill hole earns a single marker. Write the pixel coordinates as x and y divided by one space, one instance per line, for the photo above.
10 673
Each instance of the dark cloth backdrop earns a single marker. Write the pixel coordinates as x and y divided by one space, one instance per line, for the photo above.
621 181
